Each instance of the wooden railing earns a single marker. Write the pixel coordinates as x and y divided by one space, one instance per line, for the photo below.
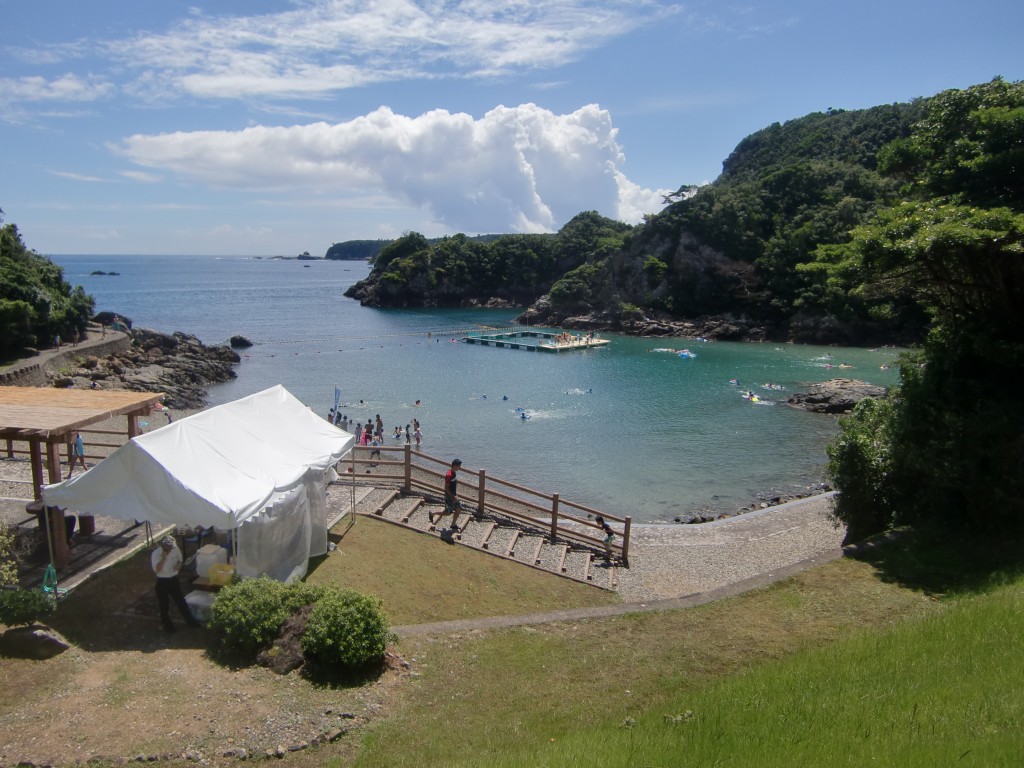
415 471
16 448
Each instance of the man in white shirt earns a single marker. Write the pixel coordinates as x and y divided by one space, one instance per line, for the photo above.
166 561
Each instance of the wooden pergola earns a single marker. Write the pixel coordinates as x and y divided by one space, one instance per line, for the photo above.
48 418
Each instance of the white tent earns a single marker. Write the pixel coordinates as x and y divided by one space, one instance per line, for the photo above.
259 465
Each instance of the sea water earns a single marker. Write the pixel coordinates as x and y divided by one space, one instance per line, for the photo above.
623 428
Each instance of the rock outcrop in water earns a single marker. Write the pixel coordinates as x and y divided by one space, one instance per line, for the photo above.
835 396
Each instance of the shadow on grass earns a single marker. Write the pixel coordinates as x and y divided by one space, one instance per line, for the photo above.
943 561
116 610
325 676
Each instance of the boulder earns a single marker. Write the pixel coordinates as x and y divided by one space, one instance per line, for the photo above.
239 342
32 642
835 396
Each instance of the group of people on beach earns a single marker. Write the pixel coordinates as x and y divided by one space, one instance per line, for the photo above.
372 433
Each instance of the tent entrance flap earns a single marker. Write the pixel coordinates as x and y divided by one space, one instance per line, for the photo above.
276 542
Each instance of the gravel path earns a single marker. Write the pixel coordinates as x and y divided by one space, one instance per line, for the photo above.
675 560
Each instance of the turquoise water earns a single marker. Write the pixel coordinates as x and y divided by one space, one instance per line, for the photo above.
621 428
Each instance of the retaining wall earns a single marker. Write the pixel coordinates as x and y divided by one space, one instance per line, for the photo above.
32 372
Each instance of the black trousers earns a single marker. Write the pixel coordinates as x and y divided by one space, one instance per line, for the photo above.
168 589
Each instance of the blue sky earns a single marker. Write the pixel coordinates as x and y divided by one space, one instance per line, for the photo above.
268 127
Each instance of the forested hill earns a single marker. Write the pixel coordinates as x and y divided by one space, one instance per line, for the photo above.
361 250
743 257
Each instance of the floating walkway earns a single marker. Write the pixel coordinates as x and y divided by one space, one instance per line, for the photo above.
537 341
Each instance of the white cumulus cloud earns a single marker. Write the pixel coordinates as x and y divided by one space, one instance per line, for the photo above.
516 169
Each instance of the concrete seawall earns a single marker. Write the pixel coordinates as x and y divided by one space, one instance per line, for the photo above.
32 372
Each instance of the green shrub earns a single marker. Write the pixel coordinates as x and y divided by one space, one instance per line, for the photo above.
8 561
300 594
24 606
345 629
248 614
860 465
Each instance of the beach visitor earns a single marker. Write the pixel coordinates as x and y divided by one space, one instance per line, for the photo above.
451 494
77 454
408 435
609 537
418 435
166 561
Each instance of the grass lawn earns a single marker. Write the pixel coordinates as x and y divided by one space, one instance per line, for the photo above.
832 667
423 579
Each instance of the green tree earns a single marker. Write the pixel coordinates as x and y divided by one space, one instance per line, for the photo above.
36 303
953 437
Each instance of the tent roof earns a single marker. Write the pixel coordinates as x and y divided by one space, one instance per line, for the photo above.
219 467
45 411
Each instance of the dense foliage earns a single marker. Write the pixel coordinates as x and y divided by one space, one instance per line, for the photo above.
459 270
784 191
355 249
8 562
36 303
248 614
951 447
24 606
345 629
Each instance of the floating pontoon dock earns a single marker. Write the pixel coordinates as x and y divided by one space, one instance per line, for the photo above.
537 341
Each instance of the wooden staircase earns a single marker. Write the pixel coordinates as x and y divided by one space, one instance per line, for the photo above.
511 540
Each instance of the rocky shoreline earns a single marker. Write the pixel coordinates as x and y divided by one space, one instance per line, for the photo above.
177 364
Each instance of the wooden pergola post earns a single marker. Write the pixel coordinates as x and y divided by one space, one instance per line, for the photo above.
55 515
